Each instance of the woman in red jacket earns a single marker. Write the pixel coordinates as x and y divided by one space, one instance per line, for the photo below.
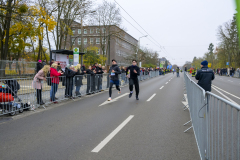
54 74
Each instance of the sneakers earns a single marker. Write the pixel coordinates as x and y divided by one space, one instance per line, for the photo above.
109 99
130 95
137 98
119 92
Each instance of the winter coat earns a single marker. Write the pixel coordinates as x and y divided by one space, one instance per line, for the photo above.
38 79
205 77
39 67
69 74
114 76
54 75
132 74
79 78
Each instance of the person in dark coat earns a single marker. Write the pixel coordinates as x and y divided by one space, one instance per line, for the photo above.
44 62
99 74
205 76
39 66
78 79
90 78
69 74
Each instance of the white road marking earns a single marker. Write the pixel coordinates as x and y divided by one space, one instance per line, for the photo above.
167 83
113 100
225 96
169 80
111 135
226 92
162 87
230 81
151 97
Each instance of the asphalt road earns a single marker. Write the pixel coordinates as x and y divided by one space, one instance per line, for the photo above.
93 129
226 87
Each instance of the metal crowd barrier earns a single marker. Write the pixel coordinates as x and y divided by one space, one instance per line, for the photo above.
17 95
215 122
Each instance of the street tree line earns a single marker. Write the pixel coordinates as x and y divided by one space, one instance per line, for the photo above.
227 50
30 29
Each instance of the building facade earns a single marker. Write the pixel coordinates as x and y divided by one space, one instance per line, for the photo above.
121 44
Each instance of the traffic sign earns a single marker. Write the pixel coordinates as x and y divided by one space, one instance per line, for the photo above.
75 56
209 65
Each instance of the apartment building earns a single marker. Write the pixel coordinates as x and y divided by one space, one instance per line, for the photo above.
122 45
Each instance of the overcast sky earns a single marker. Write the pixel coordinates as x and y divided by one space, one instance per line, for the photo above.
184 27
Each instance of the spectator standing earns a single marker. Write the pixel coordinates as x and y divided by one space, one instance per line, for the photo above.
205 76
54 74
69 73
37 82
44 62
78 79
39 66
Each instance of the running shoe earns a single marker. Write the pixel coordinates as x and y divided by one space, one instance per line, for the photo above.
130 95
119 92
109 99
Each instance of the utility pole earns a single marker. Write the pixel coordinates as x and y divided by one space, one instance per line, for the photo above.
138 47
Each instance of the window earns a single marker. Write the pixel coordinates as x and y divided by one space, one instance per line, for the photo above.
91 31
73 41
104 30
97 40
97 30
73 31
85 41
91 40
79 41
79 31
98 51
103 41
85 31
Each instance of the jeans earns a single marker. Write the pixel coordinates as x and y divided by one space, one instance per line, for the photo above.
177 74
78 89
54 88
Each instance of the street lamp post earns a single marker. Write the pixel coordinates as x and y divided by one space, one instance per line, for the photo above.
140 63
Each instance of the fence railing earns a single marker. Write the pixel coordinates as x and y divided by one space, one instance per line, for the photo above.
16 68
215 122
17 95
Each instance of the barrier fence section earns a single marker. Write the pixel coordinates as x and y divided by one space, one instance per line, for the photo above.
215 122
19 94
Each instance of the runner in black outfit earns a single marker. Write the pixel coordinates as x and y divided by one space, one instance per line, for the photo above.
133 72
113 74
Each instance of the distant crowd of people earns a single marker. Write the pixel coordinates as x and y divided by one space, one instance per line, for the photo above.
226 71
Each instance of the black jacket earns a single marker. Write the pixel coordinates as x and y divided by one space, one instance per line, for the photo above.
114 76
69 74
132 74
205 77
39 67
79 78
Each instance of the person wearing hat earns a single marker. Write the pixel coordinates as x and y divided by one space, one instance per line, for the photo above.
205 76
39 66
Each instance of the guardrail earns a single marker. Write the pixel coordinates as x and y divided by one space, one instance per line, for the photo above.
215 122
22 94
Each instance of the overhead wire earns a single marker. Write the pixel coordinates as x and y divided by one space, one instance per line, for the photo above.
158 45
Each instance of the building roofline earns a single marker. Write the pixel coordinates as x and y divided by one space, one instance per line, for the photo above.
109 25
